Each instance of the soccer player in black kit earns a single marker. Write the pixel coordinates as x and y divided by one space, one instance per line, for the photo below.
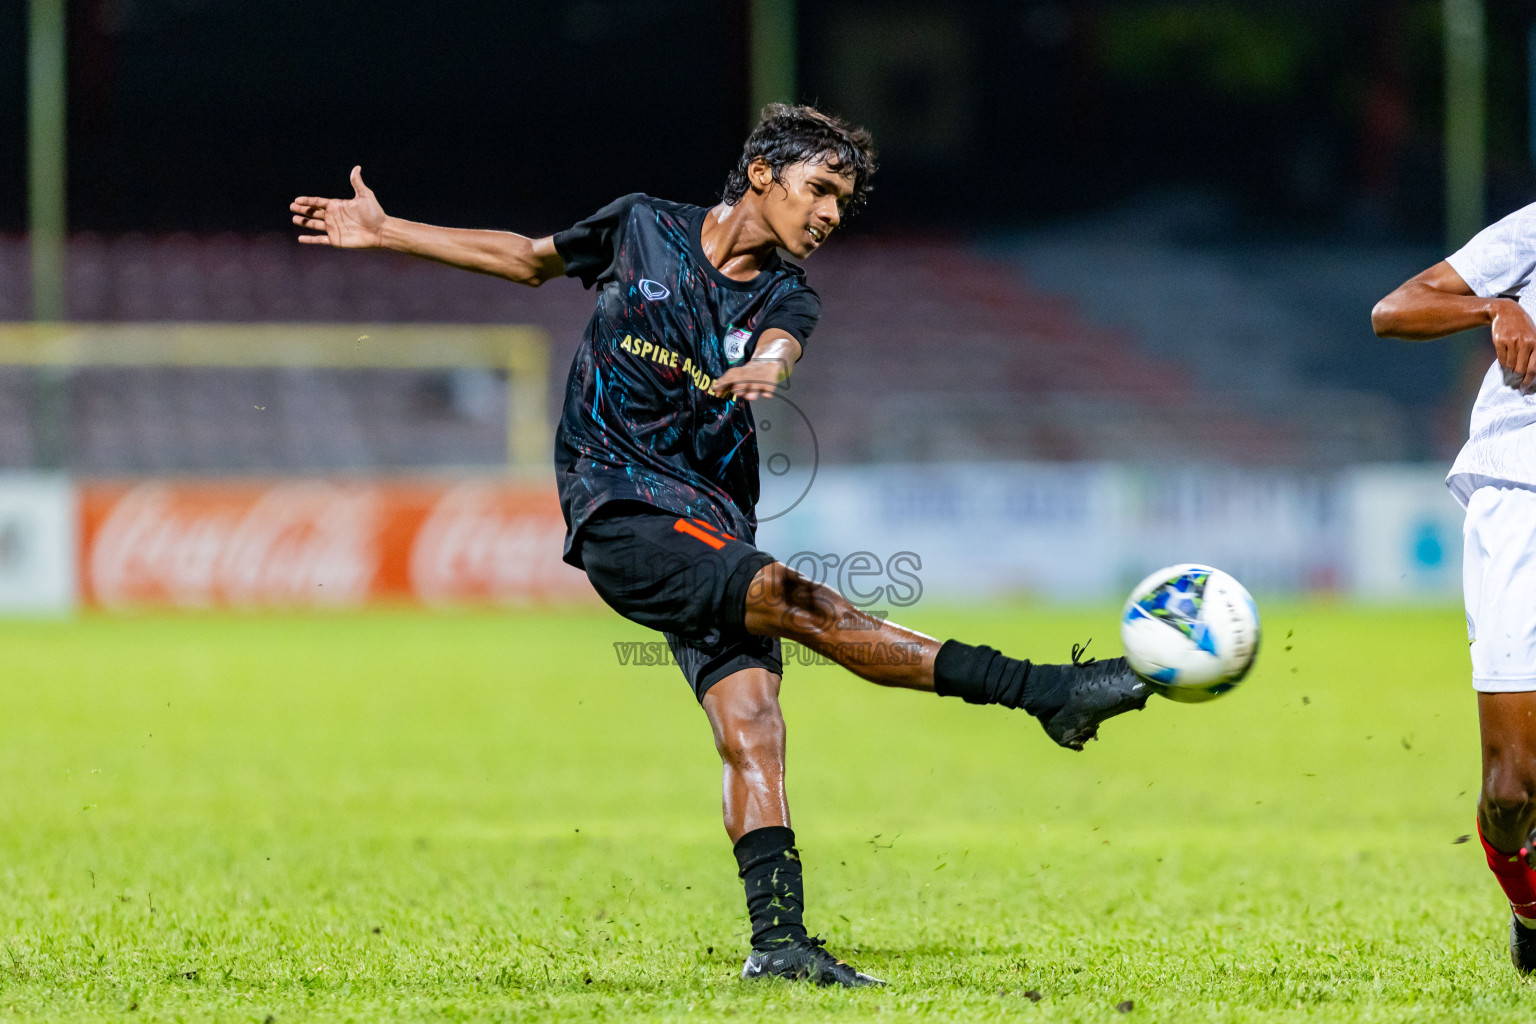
656 461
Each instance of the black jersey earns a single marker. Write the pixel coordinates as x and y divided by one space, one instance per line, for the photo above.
639 422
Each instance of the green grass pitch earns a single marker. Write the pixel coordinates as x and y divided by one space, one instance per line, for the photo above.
398 816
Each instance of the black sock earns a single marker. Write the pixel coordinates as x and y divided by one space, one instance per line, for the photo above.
981 675
770 870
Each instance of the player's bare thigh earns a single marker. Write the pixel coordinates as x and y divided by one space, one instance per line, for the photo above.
783 603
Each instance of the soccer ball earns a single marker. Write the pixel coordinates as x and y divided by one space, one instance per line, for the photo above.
1191 631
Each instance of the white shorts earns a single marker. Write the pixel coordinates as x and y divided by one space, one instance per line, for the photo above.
1499 578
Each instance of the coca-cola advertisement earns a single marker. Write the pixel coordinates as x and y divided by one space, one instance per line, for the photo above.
321 544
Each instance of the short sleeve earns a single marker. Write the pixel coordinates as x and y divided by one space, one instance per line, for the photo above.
1500 259
587 247
796 314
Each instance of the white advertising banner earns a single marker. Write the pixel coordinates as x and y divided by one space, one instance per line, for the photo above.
961 532
1087 532
886 536
1278 531
1404 534
37 544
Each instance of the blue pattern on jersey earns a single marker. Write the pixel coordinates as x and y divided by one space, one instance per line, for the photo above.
639 421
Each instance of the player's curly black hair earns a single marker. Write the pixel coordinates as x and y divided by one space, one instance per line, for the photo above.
795 134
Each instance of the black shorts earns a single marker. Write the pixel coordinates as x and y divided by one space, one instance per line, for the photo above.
685 578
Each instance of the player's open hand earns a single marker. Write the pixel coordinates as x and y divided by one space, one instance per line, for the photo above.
1514 339
354 223
756 378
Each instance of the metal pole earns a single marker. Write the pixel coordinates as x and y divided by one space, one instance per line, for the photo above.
1530 93
46 217
45 157
773 53
528 442
1465 133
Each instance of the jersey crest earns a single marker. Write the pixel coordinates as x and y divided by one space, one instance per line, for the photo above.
736 339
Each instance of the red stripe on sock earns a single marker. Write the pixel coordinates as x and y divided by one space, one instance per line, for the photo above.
1515 878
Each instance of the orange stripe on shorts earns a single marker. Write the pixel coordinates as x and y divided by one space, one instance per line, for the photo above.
684 526
713 529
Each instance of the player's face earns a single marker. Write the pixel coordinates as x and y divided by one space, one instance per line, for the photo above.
808 206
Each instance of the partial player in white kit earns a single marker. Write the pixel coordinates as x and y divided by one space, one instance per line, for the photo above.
1488 282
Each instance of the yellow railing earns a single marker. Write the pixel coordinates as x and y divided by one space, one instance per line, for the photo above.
522 351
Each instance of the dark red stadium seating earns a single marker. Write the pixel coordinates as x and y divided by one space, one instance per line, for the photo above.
926 351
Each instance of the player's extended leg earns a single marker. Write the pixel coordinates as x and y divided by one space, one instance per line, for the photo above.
1506 810
1500 586
1069 700
743 711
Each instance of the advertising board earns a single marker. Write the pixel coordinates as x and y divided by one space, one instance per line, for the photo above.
321 544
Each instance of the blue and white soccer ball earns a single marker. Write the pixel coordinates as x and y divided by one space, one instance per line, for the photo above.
1191 631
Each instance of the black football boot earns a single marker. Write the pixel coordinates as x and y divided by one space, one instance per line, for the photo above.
806 960
1101 690
1522 946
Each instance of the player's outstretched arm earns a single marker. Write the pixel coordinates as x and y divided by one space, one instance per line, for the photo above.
1432 304
1438 302
770 366
361 223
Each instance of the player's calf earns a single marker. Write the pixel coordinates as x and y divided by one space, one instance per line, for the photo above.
1512 869
1504 813
748 726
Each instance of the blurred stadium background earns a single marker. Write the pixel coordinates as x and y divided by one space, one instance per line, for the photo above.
1107 309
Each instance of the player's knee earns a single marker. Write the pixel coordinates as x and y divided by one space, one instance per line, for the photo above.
777 585
789 602
751 730
1508 799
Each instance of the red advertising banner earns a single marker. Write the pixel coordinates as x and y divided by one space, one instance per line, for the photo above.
322 543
